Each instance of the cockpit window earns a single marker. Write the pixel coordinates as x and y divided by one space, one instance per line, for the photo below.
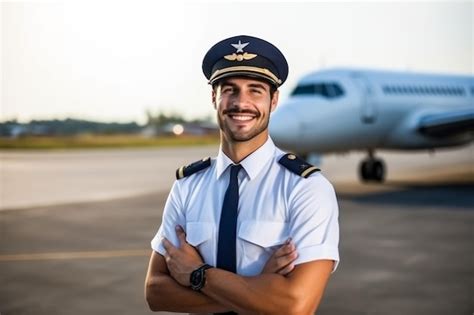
328 90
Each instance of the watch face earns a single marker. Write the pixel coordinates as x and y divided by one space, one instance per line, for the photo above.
196 279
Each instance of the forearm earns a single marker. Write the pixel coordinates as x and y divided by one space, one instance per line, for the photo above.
263 294
163 293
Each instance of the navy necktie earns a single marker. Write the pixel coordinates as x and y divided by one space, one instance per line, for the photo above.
226 244
226 255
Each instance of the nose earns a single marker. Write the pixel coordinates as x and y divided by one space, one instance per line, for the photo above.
240 98
284 128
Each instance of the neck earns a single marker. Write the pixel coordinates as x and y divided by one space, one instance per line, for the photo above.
239 150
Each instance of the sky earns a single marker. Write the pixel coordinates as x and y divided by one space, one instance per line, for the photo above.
113 61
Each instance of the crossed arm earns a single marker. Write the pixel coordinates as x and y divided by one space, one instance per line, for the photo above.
281 288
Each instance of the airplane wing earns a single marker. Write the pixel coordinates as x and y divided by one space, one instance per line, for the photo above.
447 123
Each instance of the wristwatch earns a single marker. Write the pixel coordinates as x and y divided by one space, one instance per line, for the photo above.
198 277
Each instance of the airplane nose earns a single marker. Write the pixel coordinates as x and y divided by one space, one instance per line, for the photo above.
284 128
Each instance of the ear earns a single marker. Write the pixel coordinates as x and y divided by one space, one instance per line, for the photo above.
274 101
213 96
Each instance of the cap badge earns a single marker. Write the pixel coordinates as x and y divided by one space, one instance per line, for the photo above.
240 49
240 57
239 46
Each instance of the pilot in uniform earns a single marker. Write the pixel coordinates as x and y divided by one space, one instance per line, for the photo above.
280 196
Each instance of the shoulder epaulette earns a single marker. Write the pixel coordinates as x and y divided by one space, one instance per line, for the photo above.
298 166
192 168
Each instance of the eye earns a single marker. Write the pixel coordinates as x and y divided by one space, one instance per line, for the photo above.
257 91
227 89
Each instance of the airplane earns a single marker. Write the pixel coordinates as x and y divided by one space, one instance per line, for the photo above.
343 109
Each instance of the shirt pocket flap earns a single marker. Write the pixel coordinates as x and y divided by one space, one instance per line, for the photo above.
198 232
264 233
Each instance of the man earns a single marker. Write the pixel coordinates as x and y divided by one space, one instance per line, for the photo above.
254 230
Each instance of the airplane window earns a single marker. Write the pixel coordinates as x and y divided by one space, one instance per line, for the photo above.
435 90
334 90
338 90
329 90
320 89
303 90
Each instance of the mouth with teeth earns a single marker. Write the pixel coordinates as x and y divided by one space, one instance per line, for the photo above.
242 124
241 118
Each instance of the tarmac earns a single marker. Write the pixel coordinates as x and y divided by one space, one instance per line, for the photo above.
406 248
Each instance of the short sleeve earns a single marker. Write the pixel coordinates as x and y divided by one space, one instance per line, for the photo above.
172 216
314 224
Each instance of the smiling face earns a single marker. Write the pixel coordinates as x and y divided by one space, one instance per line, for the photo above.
243 108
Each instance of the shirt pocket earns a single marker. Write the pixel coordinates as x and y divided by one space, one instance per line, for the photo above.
201 236
259 239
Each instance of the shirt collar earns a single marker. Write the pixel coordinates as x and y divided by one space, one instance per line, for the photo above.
252 164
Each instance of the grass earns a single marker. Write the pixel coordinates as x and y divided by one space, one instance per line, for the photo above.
104 141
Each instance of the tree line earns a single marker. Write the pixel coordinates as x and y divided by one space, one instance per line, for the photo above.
71 126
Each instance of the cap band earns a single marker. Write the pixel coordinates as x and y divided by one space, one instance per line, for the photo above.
263 71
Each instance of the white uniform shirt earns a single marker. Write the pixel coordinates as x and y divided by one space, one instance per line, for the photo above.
274 204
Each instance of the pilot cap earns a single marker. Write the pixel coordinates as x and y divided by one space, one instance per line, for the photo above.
248 56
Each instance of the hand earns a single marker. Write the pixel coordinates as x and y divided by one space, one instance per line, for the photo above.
282 260
181 260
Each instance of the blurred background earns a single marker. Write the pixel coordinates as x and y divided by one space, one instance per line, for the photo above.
102 101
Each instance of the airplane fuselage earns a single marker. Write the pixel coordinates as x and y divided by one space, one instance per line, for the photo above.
344 109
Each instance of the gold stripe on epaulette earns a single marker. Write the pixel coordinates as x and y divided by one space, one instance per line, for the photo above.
181 172
246 68
312 168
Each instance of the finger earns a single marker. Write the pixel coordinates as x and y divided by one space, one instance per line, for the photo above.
285 249
167 245
286 270
181 235
286 259
287 262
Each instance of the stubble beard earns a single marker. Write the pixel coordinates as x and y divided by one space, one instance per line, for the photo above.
243 136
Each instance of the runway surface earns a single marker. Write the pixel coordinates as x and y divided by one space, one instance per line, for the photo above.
36 178
406 245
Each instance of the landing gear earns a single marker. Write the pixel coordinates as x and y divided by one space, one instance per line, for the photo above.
372 169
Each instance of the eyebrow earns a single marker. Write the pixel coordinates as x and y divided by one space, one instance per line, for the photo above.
257 85
252 85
